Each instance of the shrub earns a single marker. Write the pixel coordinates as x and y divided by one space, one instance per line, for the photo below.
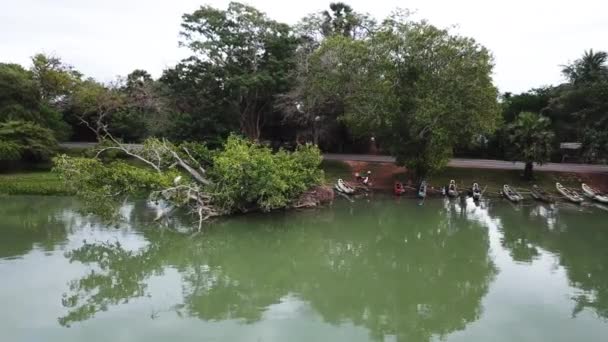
250 176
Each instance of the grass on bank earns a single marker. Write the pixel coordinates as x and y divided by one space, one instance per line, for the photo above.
32 183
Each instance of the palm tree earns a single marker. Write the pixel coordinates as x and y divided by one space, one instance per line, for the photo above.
531 139
591 67
341 20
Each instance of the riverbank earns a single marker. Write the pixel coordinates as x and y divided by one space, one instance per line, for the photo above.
383 175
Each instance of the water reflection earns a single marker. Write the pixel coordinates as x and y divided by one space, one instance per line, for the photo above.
398 269
576 236
29 222
407 271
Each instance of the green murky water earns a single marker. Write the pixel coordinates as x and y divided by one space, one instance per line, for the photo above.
380 270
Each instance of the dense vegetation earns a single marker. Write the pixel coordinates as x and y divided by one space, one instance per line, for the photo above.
240 177
339 78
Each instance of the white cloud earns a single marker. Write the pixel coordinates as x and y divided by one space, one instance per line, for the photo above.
529 39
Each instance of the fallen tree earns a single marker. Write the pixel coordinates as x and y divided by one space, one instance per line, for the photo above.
244 176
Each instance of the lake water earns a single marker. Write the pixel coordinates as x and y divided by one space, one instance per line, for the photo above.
382 269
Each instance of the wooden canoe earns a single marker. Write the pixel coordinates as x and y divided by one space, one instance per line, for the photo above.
540 194
511 194
570 194
476 190
594 193
343 187
452 189
422 190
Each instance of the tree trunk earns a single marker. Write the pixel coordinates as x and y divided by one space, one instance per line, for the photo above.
250 125
528 171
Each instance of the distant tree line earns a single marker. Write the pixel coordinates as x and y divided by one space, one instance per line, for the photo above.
338 78
577 110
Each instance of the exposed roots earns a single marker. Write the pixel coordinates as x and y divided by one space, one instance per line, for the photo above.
315 197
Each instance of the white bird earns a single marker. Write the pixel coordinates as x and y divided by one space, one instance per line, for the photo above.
177 180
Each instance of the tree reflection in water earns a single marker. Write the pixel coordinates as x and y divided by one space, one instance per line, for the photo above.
27 222
578 240
405 270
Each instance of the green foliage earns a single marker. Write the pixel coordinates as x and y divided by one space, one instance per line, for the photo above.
418 89
531 139
54 78
20 99
252 53
198 109
534 100
26 139
90 176
197 151
579 109
243 176
595 143
592 67
251 176
102 186
9 150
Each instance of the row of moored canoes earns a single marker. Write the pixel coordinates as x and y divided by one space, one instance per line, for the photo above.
507 191
541 195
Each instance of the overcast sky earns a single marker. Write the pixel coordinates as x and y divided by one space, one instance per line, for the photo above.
530 39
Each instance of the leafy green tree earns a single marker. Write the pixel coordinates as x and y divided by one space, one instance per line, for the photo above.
93 103
418 89
196 102
531 140
314 113
144 110
55 80
534 100
27 141
130 109
253 52
20 99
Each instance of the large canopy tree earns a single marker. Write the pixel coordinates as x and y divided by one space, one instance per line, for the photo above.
314 113
419 89
254 53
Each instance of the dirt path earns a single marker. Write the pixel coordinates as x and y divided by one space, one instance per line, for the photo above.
480 163
384 174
